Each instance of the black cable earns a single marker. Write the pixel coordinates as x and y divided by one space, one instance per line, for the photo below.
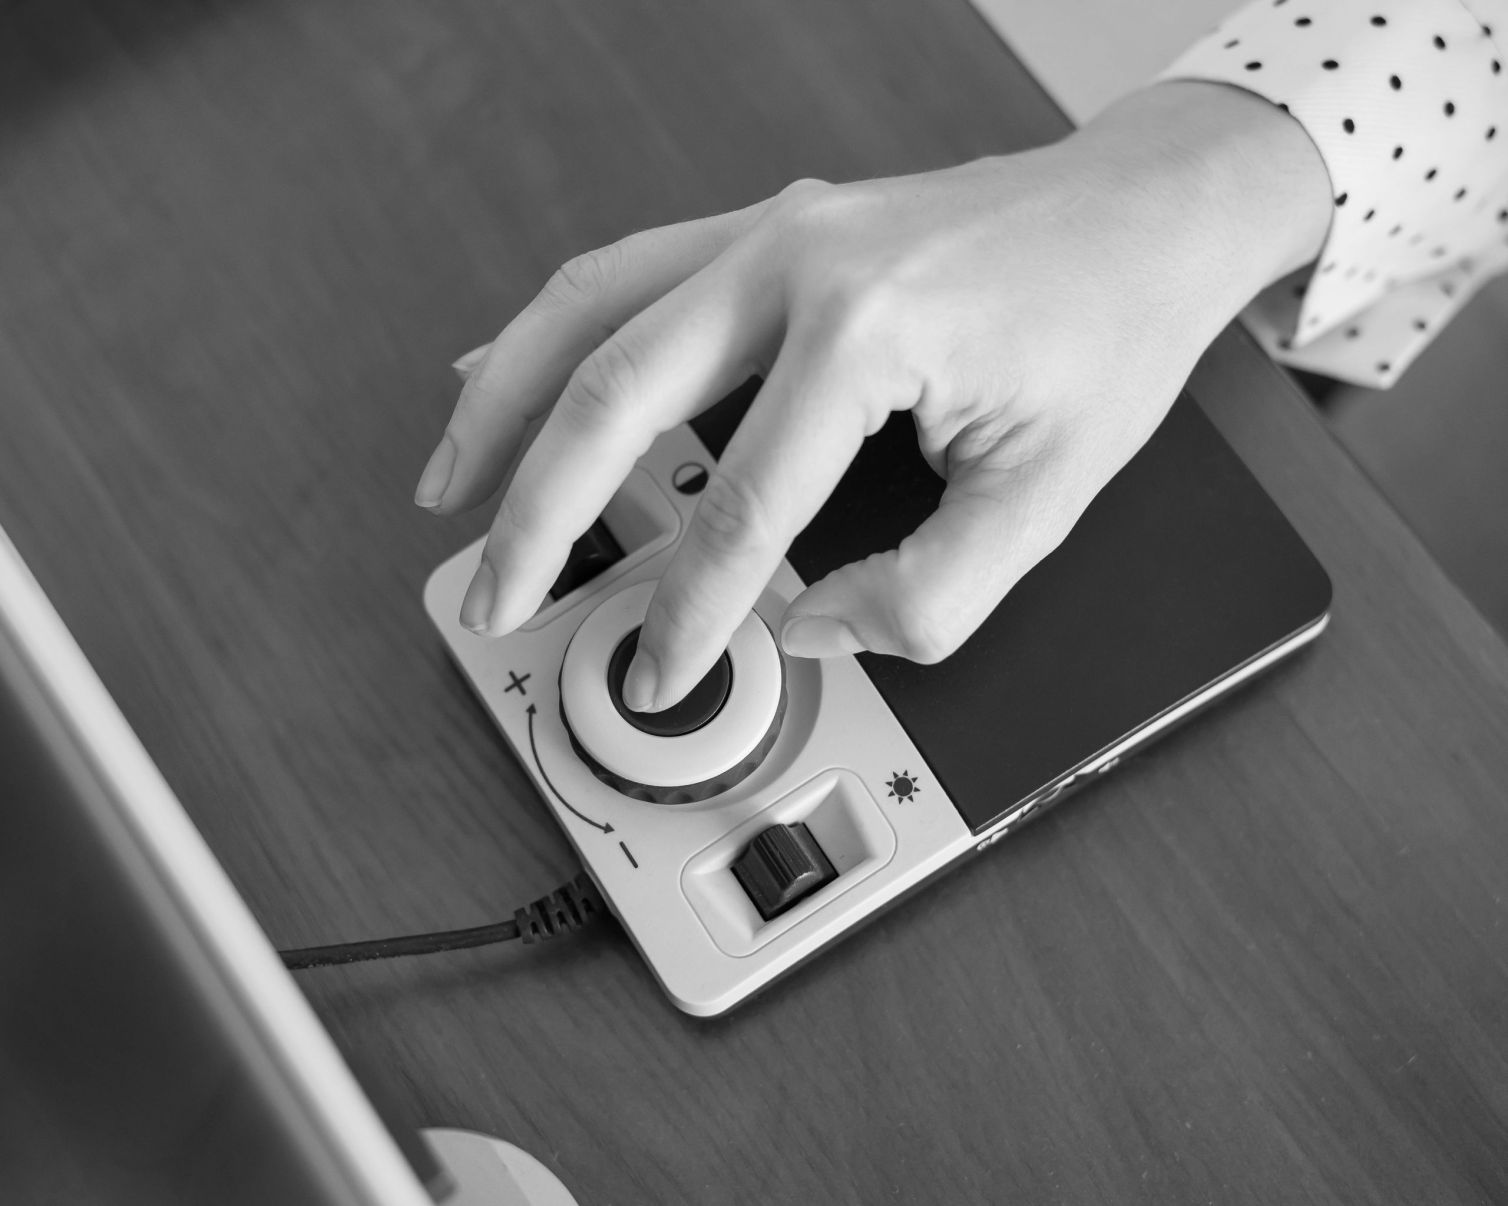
563 911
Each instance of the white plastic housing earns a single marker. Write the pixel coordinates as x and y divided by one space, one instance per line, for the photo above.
664 870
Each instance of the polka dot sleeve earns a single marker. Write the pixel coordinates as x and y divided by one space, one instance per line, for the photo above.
1407 101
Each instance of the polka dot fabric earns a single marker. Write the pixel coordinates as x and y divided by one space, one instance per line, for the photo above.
1407 101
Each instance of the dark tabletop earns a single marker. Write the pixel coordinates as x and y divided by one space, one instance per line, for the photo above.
240 243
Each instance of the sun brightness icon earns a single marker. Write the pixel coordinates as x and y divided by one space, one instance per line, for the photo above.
902 786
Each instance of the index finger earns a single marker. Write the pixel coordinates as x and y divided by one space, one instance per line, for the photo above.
799 436
684 351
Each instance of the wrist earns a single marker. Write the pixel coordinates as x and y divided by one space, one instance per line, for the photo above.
1244 182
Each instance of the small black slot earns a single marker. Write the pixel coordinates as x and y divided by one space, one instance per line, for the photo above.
594 551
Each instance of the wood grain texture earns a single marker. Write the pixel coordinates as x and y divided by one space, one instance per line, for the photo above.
240 244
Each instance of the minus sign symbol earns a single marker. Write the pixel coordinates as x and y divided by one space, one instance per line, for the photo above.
623 846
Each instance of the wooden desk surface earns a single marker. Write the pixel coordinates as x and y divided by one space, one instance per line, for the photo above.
240 243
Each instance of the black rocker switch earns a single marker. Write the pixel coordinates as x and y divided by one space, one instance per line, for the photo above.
782 865
595 550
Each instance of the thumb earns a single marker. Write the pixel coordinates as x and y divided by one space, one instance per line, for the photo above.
997 518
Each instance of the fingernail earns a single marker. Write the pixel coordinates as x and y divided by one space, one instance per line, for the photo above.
436 475
476 608
818 636
641 682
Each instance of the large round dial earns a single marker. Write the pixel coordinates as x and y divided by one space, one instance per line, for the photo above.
697 749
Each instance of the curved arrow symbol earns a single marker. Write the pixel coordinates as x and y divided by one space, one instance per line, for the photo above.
534 749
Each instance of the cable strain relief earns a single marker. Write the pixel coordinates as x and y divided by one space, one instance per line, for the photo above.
563 911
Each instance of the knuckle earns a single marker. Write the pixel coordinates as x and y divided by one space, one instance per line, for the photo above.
801 192
1051 511
582 279
845 285
514 517
1052 531
730 518
601 384
802 207
922 634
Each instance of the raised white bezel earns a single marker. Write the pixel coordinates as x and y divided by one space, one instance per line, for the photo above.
723 742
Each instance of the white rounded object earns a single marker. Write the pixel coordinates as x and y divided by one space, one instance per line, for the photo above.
489 1172
723 742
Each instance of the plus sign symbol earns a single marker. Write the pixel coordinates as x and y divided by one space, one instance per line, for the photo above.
516 683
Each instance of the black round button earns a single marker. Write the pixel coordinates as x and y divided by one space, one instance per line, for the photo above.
702 703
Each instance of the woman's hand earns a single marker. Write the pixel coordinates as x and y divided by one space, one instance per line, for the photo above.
1037 315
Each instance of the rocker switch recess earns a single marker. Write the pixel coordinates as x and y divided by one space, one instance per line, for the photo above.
594 551
781 866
